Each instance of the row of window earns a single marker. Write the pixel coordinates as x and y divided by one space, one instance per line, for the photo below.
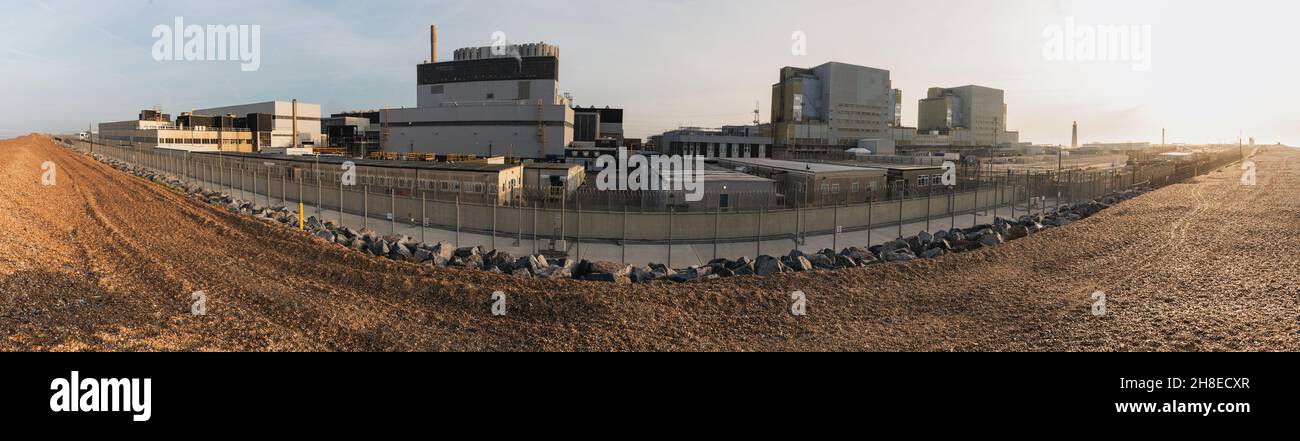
202 141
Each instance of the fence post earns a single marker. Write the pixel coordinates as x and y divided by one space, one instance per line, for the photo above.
901 196
758 240
392 211
1011 199
365 207
424 218
929 199
975 207
717 217
458 220
320 191
623 244
670 235
494 223
835 236
534 227
284 197
871 208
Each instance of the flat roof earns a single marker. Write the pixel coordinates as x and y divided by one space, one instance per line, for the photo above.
552 165
796 166
412 165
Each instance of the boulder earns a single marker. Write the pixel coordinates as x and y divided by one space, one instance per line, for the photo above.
324 235
822 261
798 263
933 253
422 255
442 252
768 265
501 260
991 239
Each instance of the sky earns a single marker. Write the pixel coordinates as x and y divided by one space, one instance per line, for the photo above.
1216 68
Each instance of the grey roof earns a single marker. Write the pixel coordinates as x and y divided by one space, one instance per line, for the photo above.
410 165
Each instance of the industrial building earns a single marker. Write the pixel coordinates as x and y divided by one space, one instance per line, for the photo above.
966 115
286 119
486 103
357 133
471 182
830 108
816 184
154 129
553 181
591 125
727 142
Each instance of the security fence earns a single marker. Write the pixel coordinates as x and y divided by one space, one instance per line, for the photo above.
621 219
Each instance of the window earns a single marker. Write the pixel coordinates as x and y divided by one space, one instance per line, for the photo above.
923 181
436 90
857 186
835 189
491 96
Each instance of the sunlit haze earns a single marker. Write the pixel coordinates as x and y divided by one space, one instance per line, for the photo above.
1216 68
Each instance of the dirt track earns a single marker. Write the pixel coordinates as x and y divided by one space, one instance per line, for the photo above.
107 261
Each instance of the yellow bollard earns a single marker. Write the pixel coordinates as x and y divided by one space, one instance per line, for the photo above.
300 221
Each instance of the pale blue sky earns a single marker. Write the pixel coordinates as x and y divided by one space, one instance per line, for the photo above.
1217 67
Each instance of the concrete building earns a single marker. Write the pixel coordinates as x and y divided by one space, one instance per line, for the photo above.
829 108
470 182
591 124
727 142
553 181
486 103
815 184
980 110
152 129
357 132
285 117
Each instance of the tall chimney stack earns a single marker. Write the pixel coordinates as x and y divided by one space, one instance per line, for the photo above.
433 43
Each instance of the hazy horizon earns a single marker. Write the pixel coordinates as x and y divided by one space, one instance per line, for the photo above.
1214 70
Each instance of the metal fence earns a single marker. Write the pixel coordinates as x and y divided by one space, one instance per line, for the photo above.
620 219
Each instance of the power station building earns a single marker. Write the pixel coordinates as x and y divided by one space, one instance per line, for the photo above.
980 111
832 107
487 101
285 119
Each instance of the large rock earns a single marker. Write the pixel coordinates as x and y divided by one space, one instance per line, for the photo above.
501 260
991 239
324 235
859 255
768 265
797 263
742 267
401 252
822 261
442 252
422 255
661 271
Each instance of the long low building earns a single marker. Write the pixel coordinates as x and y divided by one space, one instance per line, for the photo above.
154 130
814 184
475 182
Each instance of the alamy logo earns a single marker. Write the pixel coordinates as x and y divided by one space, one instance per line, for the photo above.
349 177
213 43
1248 173
949 178
102 395
49 174
1073 42
654 173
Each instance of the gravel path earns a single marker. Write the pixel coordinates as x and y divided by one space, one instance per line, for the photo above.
106 261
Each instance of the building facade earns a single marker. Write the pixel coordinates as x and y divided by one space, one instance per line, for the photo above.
486 103
982 111
285 118
830 108
727 142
